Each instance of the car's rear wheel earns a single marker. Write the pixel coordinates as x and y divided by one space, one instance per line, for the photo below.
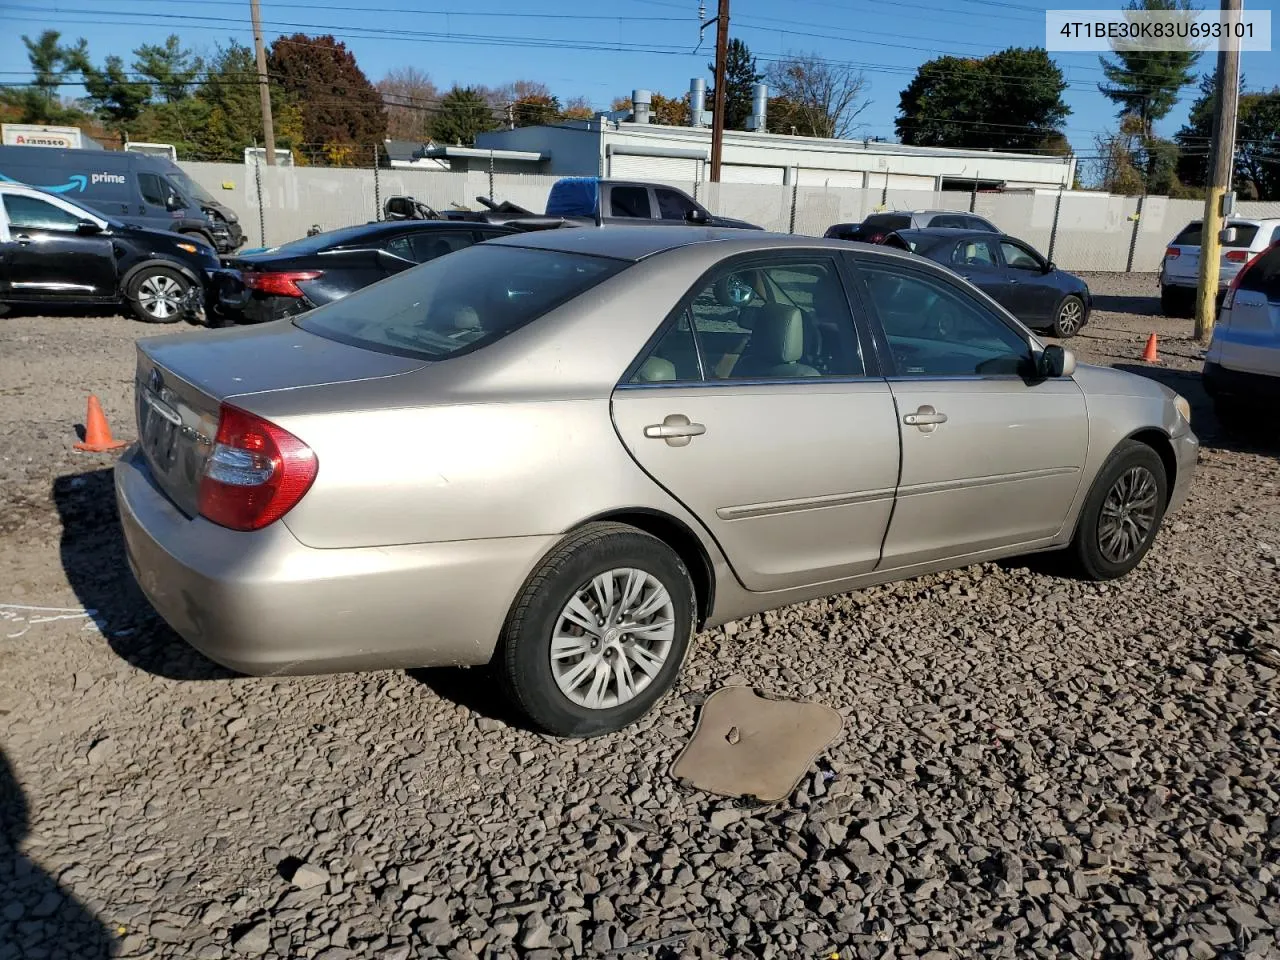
1122 513
1070 317
1175 301
598 633
158 294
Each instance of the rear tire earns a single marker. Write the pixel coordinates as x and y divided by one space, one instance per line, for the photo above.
1122 513
1069 318
158 294
567 659
1174 301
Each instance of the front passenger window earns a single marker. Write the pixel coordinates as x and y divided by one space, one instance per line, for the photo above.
935 331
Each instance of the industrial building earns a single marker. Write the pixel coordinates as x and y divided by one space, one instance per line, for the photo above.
629 146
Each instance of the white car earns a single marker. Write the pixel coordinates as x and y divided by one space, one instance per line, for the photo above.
1180 270
1243 362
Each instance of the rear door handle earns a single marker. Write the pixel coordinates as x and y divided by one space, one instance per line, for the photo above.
21 238
926 418
676 429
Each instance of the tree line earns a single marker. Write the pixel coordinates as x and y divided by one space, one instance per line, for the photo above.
328 111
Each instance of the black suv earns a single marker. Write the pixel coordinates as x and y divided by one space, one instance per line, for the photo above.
54 252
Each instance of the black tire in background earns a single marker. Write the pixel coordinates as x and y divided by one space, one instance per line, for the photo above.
157 294
1132 461
524 657
1069 318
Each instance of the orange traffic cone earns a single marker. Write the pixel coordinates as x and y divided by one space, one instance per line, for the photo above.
97 432
1150 355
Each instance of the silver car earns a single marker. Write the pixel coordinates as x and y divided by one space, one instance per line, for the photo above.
562 453
1180 269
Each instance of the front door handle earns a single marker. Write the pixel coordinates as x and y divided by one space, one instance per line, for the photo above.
21 238
675 429
925 418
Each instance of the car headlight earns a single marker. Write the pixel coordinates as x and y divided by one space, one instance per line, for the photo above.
1183 407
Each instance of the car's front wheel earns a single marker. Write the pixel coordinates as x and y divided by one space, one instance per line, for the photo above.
1070 317
158 294
1122 513
599 631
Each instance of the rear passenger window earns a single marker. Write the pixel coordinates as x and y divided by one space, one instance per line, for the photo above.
948 220
427 246
629 202
767 321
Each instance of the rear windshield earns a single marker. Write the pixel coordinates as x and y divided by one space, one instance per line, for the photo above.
1190 235
1264 275
884 222
458 303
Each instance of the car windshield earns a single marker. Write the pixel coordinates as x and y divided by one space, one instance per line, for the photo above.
1190 235
190 188
459 303
326 241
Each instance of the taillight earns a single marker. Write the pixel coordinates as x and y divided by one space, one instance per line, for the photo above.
256 473
1238 256
1229 297
1172 253
875 237
280 283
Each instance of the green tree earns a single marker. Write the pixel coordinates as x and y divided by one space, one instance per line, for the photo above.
225 114
51 62
344 115
1146 83
740 75
115 98
1011 100
171 68
464 112
1257 160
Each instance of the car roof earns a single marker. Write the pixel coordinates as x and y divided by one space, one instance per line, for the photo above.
635 243
1253 221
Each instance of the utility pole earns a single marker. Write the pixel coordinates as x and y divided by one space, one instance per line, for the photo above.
717 118
1221 165
264 92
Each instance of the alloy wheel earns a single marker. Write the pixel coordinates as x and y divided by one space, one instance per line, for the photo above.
160 296
1128 514
612 638
1070 315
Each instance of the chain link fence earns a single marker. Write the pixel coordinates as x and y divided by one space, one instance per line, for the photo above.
1079 230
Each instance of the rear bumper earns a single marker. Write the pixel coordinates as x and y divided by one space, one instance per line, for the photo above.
262 603
1220 381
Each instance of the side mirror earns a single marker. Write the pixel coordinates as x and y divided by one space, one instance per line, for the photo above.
173 202
1227 235
87 228
1057 361
697 216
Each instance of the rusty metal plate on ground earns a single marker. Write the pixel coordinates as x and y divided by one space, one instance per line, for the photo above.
746 745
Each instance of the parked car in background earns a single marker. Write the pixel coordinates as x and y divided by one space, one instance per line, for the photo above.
1242 367
320 268
1180 269
559 453
1011 272
57 253
879 225
136 188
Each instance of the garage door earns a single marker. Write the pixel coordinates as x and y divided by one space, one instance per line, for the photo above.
904 181
674 170
831 178
737 173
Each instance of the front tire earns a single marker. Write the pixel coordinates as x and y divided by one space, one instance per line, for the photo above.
598 633
158 294
1122 514
1069 318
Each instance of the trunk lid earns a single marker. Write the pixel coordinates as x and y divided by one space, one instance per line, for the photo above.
182 380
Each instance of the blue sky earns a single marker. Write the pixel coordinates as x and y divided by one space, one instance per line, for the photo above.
635 43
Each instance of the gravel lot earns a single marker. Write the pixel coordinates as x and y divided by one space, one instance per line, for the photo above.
1030 765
